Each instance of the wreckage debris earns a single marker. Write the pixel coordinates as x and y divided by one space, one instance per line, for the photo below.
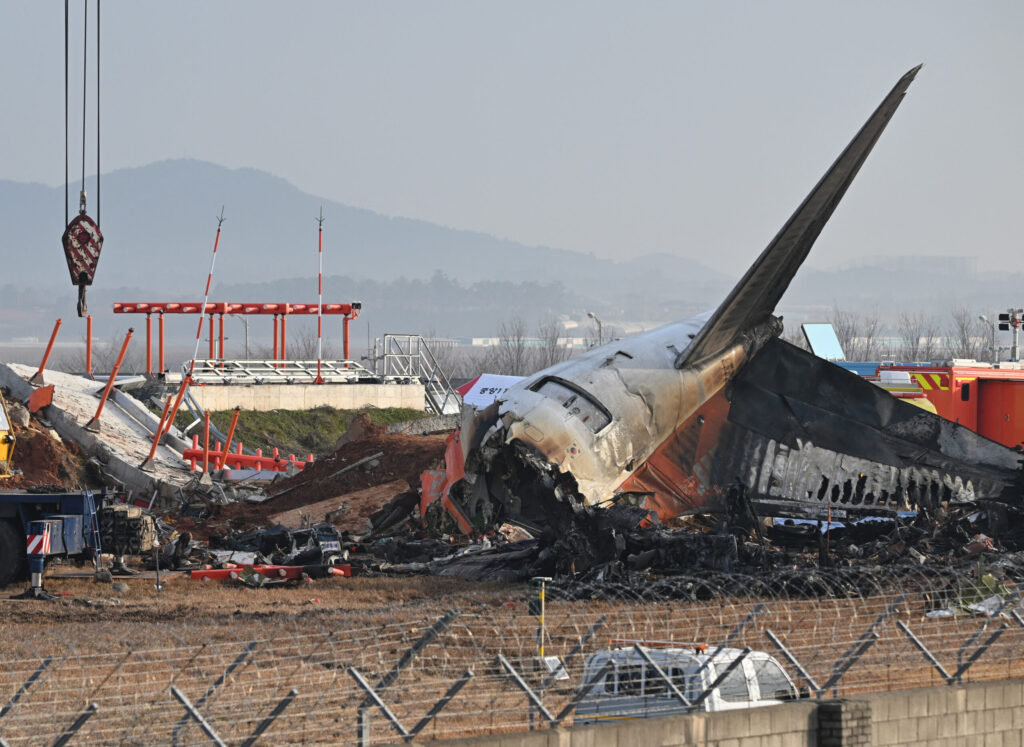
366 519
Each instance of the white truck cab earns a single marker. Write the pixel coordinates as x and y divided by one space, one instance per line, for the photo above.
633 689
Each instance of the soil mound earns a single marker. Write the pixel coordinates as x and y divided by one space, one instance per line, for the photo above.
366 457
45 460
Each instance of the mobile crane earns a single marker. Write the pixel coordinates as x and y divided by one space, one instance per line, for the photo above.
37 525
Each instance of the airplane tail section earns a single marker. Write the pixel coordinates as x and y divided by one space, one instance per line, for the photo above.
754 298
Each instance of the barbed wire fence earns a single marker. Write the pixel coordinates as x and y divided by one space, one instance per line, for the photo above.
476 670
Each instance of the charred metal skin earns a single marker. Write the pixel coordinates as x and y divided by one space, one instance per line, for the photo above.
599 416
655 419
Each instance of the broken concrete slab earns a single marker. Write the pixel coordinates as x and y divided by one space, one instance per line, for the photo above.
124 440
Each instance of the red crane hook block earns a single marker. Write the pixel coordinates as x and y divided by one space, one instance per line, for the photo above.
82 243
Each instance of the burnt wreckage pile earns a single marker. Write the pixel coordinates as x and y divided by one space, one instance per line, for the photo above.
603 456
623 545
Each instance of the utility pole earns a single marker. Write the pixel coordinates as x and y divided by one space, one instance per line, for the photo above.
1011 320
600 335
245 320
992 338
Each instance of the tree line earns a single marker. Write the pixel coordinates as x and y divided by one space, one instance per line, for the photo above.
915 337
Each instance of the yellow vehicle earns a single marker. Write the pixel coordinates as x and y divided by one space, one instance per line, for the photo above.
7 440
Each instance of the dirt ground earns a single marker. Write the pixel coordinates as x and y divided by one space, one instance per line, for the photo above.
402 458
124 643
101 618
45 459
182 600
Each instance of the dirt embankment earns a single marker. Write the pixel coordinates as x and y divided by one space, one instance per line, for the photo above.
402 458
44 459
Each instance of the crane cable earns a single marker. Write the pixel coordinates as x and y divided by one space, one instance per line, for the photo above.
67 114
97 113
85 52
67 157
82 238
85 80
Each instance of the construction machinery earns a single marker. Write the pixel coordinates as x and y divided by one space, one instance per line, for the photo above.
37 525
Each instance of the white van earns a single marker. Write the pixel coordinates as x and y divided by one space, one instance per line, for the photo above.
632 689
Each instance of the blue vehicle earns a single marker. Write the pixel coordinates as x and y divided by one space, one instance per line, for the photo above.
36 525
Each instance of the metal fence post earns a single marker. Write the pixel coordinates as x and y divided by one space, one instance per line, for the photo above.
213 688
265 723
28 683
721 678
195 714
64 738
795 663
439 705
527 690
363 709
372 695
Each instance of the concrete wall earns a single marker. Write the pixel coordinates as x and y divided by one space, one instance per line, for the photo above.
983 714
790 725
986 713
264 397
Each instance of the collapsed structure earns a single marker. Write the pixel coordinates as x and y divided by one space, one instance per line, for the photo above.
699 414
594 457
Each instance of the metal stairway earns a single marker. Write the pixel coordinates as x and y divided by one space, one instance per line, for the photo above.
409 357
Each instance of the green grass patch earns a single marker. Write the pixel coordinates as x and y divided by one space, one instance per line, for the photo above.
298 432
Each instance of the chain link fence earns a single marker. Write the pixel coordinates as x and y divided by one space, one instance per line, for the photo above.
475 669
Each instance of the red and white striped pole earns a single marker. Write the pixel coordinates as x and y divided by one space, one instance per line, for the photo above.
165 425
320 295
206 297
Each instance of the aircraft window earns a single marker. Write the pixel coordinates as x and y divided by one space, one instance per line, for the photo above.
772 681
576 402
734 688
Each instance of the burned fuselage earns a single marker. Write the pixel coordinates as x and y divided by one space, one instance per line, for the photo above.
701 413
578 430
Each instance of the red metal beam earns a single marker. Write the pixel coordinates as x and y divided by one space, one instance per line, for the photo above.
284 335
94 424
160 355
88 345
149 343
37 378
280 312
221 307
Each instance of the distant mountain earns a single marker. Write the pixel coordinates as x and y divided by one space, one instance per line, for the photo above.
413 276
159 223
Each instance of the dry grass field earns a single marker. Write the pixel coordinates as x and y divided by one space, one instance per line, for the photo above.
237 653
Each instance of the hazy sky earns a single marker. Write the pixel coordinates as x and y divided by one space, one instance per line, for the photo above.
617 128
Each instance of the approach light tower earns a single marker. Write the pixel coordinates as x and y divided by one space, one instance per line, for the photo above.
1011 320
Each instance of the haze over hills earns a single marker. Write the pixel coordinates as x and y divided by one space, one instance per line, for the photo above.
160 220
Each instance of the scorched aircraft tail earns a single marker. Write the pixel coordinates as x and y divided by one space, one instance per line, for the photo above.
701 413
